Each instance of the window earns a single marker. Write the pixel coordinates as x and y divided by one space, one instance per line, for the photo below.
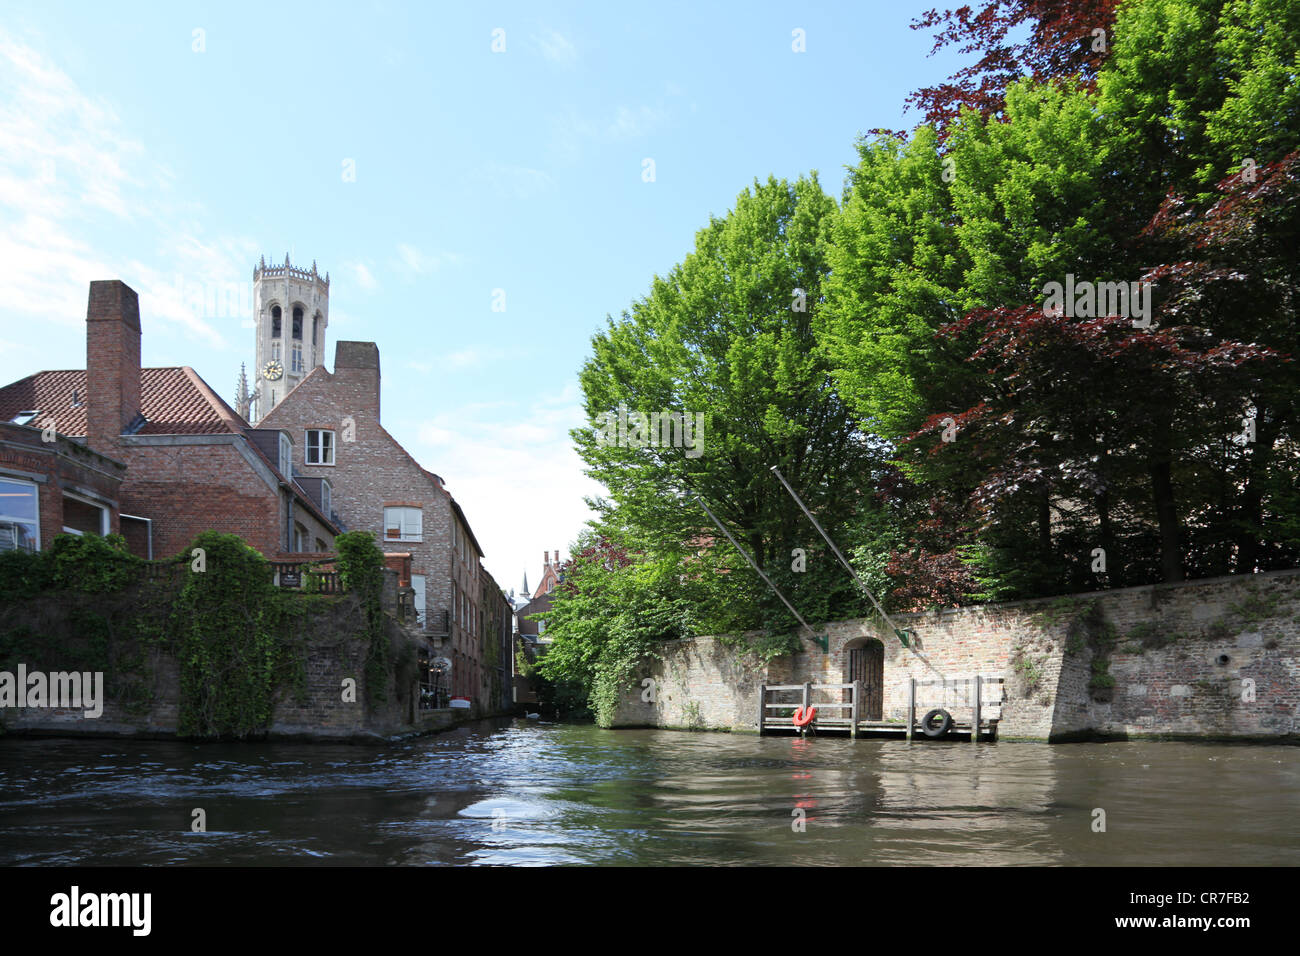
403 524
83 516
320 446
275 351
417 584
25 418
299 537
297 358
275 321
286 455
320 546
19 524
315 329
325 495
297 322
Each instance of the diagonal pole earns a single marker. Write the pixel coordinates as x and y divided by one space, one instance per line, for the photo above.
899 632
745 554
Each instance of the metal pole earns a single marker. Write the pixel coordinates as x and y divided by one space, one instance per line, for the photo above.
911 707
848 567
746 556
762 707
975 726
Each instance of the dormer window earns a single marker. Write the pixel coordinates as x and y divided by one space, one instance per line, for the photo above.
297 322
275 321
325 497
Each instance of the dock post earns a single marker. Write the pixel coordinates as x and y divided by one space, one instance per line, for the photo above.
807 698
853 714
911 707
975 724
762 707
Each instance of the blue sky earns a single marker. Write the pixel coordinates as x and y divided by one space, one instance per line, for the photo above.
127 153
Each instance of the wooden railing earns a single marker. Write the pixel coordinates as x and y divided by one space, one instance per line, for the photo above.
982 695
317 576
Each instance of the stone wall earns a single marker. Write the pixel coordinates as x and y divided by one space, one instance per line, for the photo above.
142 681
1212 658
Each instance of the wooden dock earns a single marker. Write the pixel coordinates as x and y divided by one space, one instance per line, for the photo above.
973 702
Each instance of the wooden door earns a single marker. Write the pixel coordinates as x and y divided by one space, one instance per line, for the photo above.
867 664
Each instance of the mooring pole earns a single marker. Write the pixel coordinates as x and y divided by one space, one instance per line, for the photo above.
898 632
853 717
745 554
762 707
975 727
807 696
911 707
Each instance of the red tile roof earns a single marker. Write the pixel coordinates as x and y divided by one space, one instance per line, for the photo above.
175 402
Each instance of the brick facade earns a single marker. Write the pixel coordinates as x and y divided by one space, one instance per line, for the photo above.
372 471
56 469
191 463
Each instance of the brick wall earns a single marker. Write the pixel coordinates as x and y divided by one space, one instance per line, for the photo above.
334 652
1218 658
60 466
372 471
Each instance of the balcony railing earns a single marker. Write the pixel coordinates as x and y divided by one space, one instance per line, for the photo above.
308 576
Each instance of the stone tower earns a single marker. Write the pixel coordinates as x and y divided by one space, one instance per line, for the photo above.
291 308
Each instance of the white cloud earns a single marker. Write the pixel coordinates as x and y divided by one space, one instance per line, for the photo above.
514 182
68 168
570 130
634 123
556 47
515 473
414 261
363 276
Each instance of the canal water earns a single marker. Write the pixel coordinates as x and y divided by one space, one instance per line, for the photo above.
522 793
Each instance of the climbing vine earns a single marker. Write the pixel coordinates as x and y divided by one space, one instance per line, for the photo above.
361 570
228 654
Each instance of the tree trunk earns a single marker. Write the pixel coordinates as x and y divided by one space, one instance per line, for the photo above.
1162 490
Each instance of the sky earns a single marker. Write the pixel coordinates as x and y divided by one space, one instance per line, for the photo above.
173 145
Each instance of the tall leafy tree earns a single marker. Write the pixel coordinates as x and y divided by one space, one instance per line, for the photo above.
728 336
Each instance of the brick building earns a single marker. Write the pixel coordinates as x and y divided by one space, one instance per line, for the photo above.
53 487
191 464
375 485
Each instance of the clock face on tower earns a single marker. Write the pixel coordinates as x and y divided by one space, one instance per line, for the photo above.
273 370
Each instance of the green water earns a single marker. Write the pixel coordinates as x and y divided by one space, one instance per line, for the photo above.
523 793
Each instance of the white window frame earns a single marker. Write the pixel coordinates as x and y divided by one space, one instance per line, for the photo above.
326 497
320 447
286 455
105 520
36 490
420 592
404 531
296 364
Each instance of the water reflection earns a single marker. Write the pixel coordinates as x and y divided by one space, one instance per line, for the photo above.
520 794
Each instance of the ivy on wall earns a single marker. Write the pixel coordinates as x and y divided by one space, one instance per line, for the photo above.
236 637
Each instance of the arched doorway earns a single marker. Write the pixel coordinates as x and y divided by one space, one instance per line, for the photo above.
865 661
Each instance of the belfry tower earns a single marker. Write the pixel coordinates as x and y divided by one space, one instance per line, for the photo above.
291 308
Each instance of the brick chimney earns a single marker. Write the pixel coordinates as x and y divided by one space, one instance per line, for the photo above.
112 362
357 364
